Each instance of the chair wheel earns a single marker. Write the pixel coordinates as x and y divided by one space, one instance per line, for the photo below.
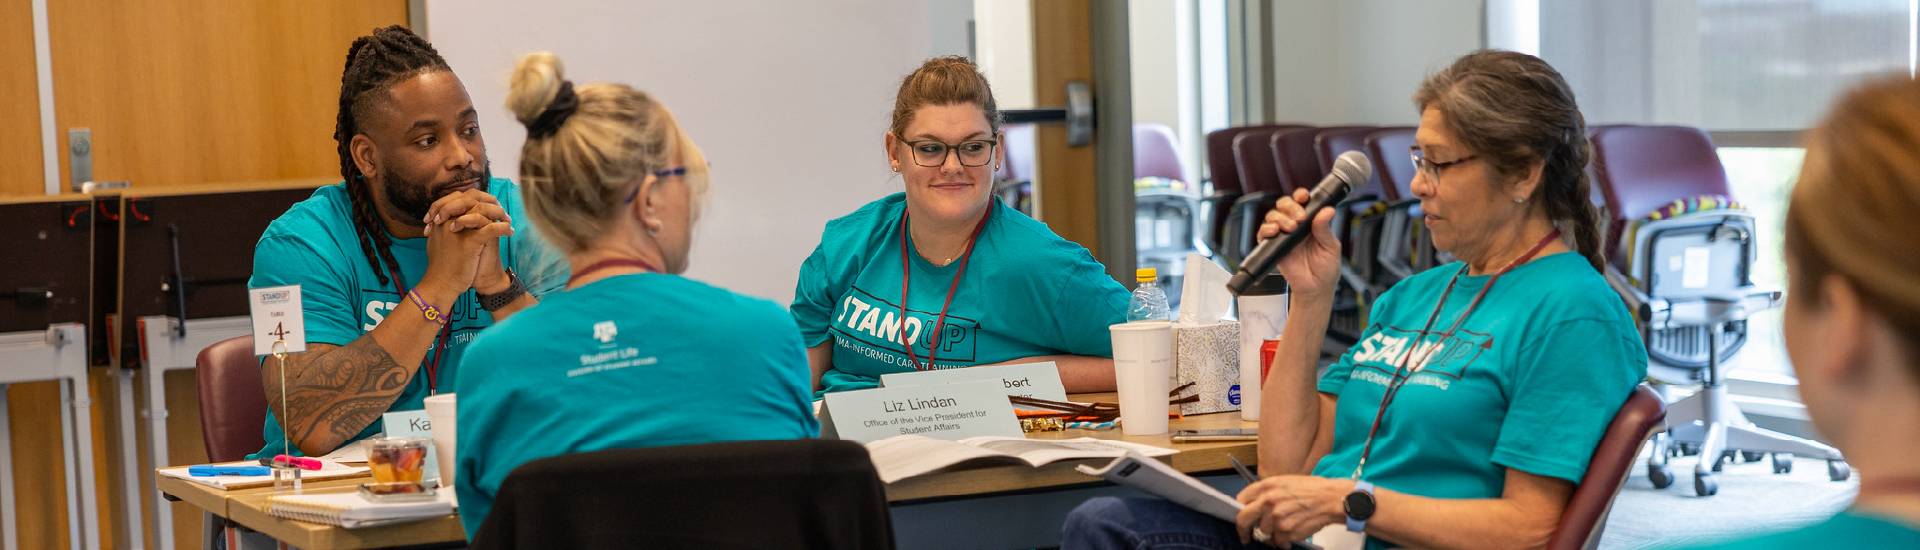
1783 463
1705 486
1724 459
1661 476
1751 456
1689 449
1837 470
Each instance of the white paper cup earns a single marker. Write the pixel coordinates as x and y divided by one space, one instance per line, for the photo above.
440 413
1261 317
1142 361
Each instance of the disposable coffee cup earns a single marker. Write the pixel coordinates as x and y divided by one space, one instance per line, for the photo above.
1263 312
440 414
1142 361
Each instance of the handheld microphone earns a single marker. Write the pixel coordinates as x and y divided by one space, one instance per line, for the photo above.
1351 169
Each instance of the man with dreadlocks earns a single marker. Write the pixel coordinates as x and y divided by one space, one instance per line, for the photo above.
400 265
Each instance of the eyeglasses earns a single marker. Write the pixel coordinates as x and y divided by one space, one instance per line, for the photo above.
933 154
1431 168
663 174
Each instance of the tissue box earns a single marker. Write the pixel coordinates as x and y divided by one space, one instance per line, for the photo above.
1208 356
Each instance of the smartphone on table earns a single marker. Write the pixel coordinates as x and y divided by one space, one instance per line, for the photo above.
1189 436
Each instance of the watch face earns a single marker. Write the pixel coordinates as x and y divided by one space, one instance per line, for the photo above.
1359 505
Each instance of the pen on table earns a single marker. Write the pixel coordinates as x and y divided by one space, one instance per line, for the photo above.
1242 468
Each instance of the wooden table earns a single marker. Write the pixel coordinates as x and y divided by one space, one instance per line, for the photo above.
953 498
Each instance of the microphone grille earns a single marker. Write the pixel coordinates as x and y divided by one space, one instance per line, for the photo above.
1353 167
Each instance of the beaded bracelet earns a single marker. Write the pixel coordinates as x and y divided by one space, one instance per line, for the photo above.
427 310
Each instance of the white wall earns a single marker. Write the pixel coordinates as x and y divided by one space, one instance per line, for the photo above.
789 100
1359 61
1003 31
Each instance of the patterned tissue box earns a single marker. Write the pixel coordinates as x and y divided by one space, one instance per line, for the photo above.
1208 356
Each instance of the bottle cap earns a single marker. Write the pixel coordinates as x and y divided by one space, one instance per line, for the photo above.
1146 274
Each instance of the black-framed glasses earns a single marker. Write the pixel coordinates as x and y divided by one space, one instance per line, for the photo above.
663 174
933 153
1432 168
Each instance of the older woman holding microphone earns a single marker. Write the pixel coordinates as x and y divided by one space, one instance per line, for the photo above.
631 354
943 275
1468 410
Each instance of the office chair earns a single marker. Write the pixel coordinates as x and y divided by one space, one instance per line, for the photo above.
1014 181
1405 246
233 406
1166 212
1260 186
1586 513
1224 173
1683 262
801 494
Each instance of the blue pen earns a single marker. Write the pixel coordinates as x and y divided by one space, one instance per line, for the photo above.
207 470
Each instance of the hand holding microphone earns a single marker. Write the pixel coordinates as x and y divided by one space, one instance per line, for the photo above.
1314 269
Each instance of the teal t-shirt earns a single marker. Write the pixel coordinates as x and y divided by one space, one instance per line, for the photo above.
1530 381
315 245
638 360
1851 529
1026 292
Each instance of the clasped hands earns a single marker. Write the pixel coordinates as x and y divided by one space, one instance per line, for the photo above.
463 238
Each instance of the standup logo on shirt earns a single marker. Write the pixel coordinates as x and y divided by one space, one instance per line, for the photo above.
877 322
1436 361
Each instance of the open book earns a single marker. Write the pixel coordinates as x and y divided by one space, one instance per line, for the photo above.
1158 479
904 456
350 510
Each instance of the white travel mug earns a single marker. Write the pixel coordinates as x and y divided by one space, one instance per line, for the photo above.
1263 311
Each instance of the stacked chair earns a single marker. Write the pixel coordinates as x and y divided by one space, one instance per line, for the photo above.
1682 259
1166 208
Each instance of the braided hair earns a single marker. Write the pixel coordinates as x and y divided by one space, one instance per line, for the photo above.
375 63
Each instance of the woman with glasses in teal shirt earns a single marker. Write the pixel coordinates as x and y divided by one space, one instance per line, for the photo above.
943 276
631 354
1472 404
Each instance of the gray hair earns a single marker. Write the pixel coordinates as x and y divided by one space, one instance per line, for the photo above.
1515 110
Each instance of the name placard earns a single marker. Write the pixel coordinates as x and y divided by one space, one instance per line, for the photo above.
1037 380
945 411
415 424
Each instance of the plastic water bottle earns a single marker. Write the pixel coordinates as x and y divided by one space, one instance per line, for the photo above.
1149 302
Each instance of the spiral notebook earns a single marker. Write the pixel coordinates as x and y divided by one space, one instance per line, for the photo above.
350 510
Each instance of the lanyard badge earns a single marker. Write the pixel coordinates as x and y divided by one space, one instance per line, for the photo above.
906 276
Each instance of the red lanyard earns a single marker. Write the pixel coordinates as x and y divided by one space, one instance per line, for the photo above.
440 342
609 264
906 276
1400 373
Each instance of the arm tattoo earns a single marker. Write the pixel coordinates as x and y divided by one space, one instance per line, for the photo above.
334 391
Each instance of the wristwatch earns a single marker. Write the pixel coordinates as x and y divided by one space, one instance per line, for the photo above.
1360 506
493 302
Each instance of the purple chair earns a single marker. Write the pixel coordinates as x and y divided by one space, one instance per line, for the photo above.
1296 158
1331 142
1259 181
1586 513
1156 152
1016 175
1388 147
